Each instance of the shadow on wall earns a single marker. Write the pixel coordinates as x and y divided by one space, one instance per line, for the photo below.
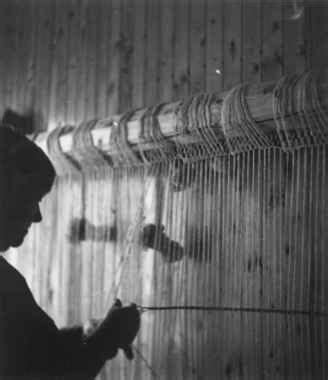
82 230
151 237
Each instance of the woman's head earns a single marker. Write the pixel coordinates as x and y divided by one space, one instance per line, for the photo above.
26 175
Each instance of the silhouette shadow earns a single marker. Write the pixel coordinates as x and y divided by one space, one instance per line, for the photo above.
152 236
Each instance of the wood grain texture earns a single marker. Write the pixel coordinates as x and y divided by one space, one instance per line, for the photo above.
214 45
166 61
197 46
181 50
43 61
252 41
272 63
126 52
115 59
73 62
295 49
153 52
258 217
232 68
62 62
319 34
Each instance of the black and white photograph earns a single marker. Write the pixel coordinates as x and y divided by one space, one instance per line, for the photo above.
163 189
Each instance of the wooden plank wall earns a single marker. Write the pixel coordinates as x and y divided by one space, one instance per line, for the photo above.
67 60
72 60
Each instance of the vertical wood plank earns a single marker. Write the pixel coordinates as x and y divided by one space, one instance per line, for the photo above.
91 61
324 221
114 54
9 50
294 41
181 50
197 46
214 45
304 239
73 61
152 52
166 62
2 57
56 112
251 41
103 58
311 267
16 20
297 233
75 258
126 52
45 30
61 61
86 251
232 43
318 11
77 79
267 252
29 93
139 54
272 58
320 202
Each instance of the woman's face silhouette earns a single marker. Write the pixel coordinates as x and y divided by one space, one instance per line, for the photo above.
26 175
20 223
21 211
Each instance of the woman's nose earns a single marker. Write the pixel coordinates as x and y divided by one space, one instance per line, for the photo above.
37 217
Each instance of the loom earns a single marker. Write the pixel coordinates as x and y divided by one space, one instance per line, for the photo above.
236 183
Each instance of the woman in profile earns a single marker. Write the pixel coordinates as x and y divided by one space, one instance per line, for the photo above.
31 346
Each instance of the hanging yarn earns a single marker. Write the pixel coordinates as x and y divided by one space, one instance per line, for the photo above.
150 133
195 118
122 152
132 237
315 119
282 98
84 151
63 163
124 158
300 120
241 131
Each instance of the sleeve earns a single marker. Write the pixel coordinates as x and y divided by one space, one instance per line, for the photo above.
31 345
83 358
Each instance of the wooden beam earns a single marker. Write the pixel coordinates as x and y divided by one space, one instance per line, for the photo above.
259 100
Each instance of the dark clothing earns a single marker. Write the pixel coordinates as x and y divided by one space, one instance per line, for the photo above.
31 346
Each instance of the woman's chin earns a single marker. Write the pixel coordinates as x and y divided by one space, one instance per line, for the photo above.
14 238
16 244
4 246
17 241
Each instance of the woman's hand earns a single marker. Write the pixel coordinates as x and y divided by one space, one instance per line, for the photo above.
118 330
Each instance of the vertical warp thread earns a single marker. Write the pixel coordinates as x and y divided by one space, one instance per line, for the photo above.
257 172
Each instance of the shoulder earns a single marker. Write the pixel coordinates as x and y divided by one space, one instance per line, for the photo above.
15 295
